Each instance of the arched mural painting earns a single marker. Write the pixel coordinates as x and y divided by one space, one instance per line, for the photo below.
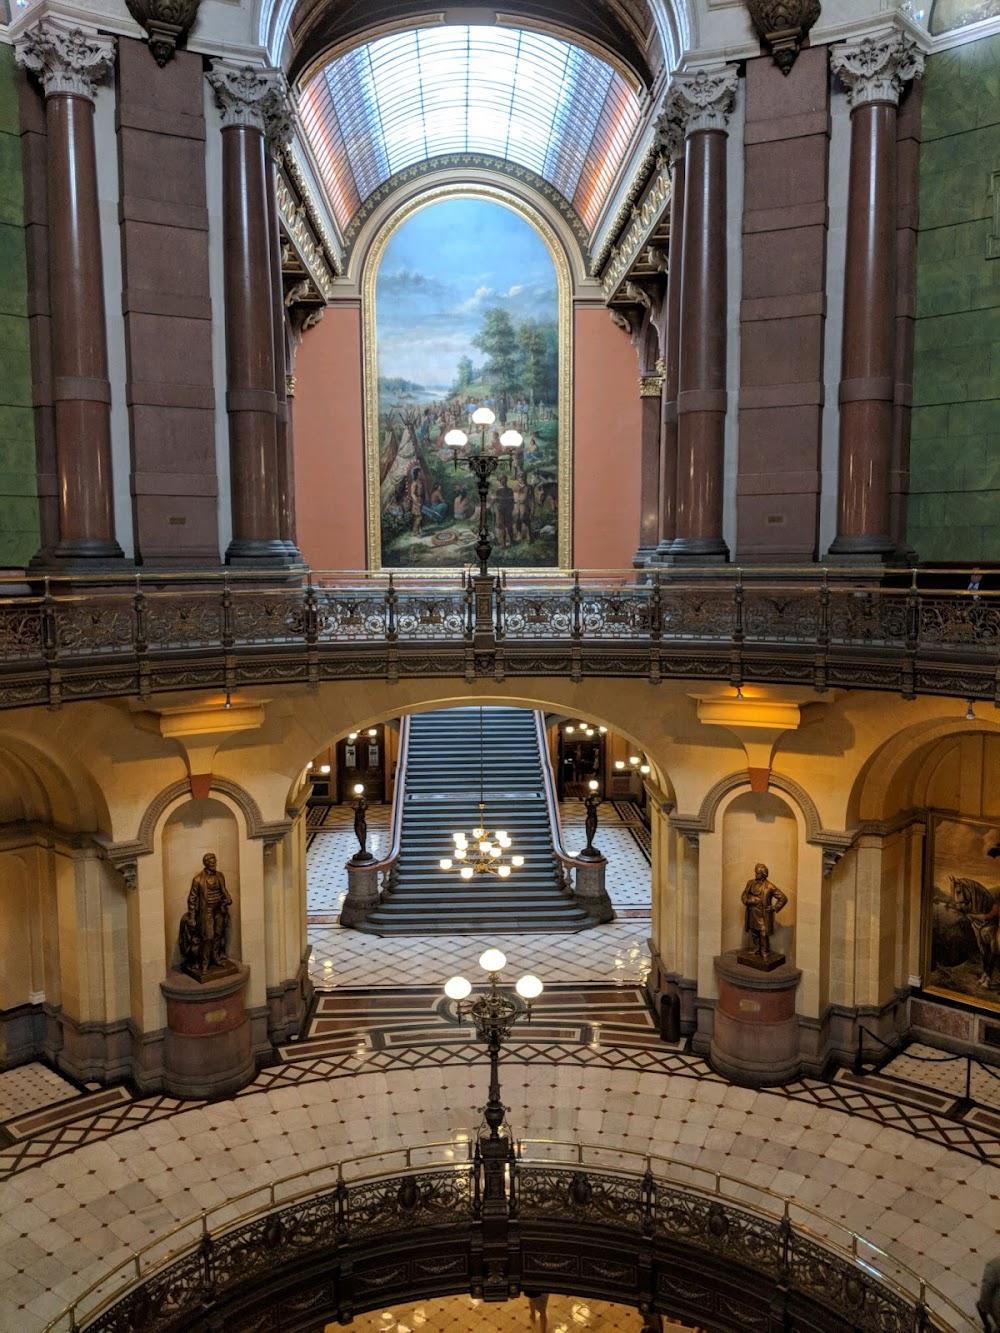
466 305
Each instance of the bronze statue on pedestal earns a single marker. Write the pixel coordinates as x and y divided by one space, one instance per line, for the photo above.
761 900
202 937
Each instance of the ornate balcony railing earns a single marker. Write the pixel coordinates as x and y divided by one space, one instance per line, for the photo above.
639 1229
812 626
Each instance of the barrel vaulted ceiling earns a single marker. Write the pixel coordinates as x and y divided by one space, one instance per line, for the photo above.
525 97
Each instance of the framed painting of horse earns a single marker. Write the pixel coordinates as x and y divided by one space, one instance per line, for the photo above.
962 911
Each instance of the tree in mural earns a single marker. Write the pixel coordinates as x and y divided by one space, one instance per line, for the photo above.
498 339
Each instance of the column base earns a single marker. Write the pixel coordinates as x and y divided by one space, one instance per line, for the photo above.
863 550
362 893
644 557
697 551
253 553
661 555
79 553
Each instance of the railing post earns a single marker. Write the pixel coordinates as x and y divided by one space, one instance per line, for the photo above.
470 610
912 633
501 606
50 645
140 643
391 612
822 635
736 657
576 600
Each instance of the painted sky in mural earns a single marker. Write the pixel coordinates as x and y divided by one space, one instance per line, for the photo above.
466 314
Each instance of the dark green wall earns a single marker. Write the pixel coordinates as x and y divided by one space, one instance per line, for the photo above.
18 502
954 511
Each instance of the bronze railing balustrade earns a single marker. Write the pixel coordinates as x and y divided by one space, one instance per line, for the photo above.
907 631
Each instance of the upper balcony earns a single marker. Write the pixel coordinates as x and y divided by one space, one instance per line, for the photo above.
911 631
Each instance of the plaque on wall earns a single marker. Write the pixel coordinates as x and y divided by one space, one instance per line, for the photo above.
962 910
351 756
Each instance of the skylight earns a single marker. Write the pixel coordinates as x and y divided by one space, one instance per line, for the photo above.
523 96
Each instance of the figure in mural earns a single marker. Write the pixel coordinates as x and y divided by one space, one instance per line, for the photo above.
524 508
982 909
204 926
761 900
503 507
418 493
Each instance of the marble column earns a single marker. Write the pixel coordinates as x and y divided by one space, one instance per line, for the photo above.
671 131
705 101
650 392
69 64
247 96
278 135
873 71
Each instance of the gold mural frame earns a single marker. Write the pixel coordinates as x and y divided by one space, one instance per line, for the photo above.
564 284
936 822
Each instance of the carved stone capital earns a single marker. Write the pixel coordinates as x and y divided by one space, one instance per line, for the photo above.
167 23
628 319
246 95
874 69
703 100
65 59
782 26
279 124
650 386
670 128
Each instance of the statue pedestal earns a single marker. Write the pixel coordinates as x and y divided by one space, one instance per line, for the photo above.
362 893
207 1051
589 891
755 1037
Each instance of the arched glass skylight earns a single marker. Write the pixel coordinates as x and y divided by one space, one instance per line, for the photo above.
523 96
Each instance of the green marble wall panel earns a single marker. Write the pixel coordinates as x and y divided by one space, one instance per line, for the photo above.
18 498
954 511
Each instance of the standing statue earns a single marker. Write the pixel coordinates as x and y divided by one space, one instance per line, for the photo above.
361 824
761 900
204 926
591 801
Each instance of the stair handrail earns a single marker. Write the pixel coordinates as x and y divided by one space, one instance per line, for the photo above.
567 860
396 815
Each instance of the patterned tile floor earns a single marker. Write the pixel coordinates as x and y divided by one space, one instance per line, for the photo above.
87 1175
459 1314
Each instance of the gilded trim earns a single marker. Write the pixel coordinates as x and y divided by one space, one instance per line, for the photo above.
370 359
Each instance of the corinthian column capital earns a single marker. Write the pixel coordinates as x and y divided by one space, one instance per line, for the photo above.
703 100
279 120
246 94
874 69
65 59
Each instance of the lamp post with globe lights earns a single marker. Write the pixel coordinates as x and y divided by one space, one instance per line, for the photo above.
482 465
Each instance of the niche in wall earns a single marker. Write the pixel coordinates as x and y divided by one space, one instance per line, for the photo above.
759 826
192 830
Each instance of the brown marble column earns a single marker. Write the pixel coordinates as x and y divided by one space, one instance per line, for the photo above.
672 131
246 97
705 100
873 71
278 135
69 63
650 393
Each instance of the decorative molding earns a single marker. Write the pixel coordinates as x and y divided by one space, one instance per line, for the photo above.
300 183
461 162
703 100
659 258
874 69
300 227
645 218
247 95
66 60
782 26
629 320
279 123
652 162
166 22
670 129
704 820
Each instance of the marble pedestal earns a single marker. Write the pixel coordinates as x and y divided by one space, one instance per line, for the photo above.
362 892
755 1037
589 891
207 1050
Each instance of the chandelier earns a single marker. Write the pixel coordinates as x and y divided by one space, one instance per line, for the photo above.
481 853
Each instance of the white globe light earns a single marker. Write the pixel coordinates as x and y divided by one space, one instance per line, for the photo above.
483 416
492 960
457 988
456 438
511 439
359 789
461 852
517 861
324 768
445 863
466 872
503 871
529 987
501 836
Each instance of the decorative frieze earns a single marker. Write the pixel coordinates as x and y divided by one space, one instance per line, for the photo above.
65 59
296 220
703 100
645 218
875 69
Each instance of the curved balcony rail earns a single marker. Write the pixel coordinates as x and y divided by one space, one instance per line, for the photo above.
385 1196
906 631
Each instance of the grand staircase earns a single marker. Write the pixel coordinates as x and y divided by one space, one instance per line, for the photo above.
441 797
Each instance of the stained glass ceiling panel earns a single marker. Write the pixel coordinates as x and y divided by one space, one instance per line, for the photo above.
523 96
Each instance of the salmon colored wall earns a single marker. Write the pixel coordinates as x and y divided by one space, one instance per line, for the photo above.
606 444
329 443
329 435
